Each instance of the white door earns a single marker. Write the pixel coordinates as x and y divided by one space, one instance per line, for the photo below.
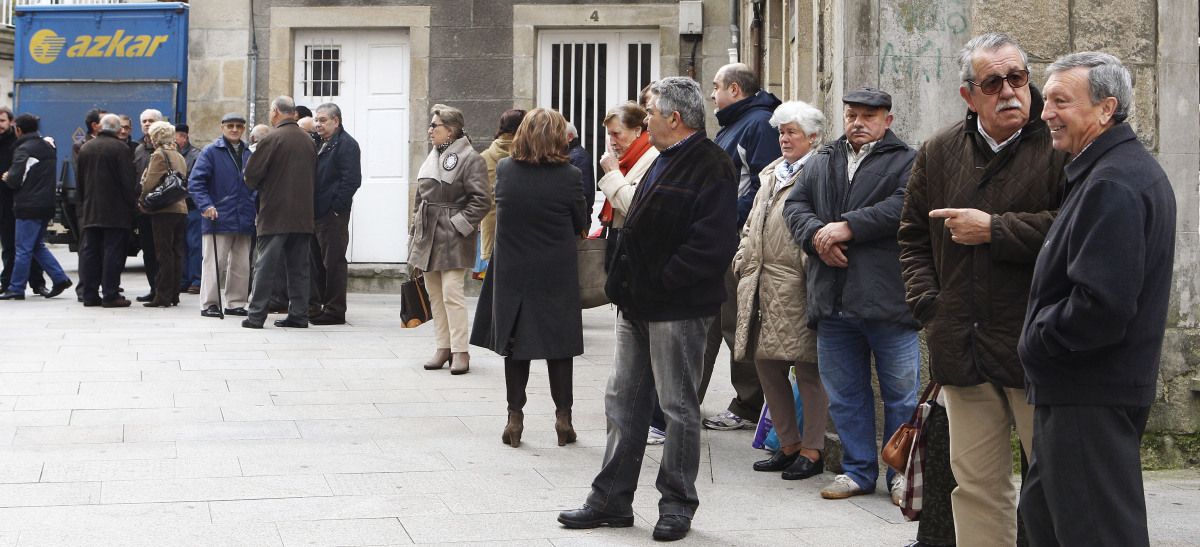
583 73
365 72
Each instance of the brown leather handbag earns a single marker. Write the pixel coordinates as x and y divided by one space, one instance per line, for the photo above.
896 451
414 303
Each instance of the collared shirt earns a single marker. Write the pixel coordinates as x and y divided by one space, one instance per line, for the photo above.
854 159
785 171
992 142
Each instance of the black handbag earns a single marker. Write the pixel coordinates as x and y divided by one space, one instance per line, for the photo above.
172 189
414 303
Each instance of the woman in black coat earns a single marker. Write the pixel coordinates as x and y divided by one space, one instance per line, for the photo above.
529 305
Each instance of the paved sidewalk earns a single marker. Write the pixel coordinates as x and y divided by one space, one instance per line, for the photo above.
157 427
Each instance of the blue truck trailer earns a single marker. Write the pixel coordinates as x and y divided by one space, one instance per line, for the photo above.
121 58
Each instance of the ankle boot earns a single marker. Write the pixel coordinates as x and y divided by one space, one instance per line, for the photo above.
562 426
440 357
460 363
512 431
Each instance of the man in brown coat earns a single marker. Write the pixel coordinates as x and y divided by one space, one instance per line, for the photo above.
982 196
107 197
283 170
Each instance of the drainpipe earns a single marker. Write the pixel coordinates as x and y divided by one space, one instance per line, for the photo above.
756 33
252 56
735 29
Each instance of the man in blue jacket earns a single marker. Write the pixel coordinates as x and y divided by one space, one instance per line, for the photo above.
1097 315
744 112
339 174
217 186
845 212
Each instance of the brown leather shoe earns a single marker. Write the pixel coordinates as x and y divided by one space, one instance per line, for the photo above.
460 363
118 302
512 431
440 357
562 426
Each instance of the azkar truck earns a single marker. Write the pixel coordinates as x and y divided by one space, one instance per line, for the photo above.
120 58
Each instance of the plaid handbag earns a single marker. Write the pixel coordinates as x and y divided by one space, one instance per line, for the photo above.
914 472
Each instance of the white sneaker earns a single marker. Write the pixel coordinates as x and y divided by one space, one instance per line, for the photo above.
898 486
842 487
727 421
656 436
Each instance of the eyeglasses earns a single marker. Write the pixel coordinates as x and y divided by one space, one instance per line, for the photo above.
436 125
993 84
235 126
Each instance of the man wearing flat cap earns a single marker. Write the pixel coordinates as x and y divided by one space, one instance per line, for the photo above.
218 187
844 212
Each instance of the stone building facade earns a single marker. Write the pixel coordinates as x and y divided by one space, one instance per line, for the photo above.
814 50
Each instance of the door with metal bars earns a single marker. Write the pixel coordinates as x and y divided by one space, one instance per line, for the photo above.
583 74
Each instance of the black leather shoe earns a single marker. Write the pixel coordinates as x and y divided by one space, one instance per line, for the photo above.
118 302
248 324
804 468
57 289
778 461
289 323
90 303
40 291
587 517
145 297
10 295
241 312
672 527
211 311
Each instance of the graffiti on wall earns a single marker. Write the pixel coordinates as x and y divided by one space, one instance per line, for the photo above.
925 31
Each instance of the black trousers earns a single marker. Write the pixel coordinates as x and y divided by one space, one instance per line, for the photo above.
281 258
1084 485
145 228
101 262
8 246
329 268
516 378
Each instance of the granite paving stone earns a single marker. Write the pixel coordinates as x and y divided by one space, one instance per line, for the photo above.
207 434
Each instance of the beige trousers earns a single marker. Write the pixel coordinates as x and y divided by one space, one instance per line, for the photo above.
981 421
232 253
449 308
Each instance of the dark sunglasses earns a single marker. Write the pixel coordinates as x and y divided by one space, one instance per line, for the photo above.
994 84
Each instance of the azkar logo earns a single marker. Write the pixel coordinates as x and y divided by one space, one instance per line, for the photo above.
45 45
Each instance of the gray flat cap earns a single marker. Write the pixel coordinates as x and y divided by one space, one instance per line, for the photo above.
868 96
233 117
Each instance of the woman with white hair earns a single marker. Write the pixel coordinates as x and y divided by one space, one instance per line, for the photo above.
771 302
168 223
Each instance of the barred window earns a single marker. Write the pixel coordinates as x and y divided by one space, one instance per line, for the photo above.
322 71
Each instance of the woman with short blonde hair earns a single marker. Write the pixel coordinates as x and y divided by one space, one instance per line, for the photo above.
169 223
529 306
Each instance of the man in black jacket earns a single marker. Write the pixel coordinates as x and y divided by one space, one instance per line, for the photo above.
107 197
667 280
339 174
1097 315
844 212
31 176
8 222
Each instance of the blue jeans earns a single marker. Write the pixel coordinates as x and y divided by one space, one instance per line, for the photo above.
30 242
192 257
667 358
844 349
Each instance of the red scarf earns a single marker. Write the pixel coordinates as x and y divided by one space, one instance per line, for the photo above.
632 154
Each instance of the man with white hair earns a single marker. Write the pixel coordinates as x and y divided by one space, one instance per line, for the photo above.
145 232
108 194
582 160
1097 315
667 280
980 200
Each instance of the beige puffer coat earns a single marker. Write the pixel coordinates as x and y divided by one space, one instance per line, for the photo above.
771 293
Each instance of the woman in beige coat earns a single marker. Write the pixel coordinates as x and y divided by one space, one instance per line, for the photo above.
771 298
498 150
452 198
169 223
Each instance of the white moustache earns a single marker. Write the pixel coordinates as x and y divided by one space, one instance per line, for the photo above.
1011 104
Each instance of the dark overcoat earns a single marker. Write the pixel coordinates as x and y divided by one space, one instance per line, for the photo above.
106 183
529 305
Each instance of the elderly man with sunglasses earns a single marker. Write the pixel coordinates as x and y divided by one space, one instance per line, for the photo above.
982 195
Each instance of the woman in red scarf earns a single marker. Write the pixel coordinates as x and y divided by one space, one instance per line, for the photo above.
626 161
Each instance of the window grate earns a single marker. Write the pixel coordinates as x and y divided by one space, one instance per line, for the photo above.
322 71
579 90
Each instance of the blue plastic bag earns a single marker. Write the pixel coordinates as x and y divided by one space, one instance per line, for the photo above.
764 435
